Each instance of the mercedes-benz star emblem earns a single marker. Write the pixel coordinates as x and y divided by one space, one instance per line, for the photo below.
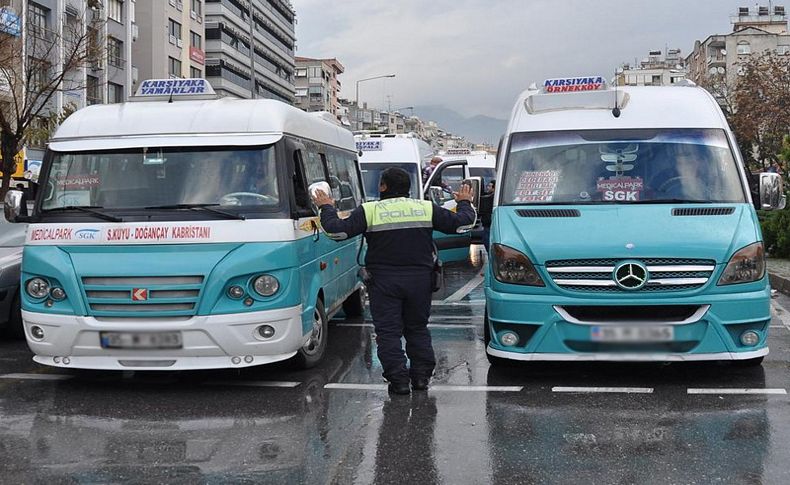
630 275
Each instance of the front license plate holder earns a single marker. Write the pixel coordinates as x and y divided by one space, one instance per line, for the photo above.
141 340
632 334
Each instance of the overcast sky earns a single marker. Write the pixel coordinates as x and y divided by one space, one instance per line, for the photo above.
476 56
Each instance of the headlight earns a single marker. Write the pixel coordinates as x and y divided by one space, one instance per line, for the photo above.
266 285
745 266
37 288
511 266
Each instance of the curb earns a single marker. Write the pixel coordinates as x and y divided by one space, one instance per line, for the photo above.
779 283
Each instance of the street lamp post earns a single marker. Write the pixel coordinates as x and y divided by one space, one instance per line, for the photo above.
356 95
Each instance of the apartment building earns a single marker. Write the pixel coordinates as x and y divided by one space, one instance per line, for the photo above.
317 84
171 40
250 48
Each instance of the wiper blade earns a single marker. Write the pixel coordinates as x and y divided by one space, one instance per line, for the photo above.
204 207
88 209
672 201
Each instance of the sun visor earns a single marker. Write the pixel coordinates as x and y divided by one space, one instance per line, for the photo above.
604 99
190 140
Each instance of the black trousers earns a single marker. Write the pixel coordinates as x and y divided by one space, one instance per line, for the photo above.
400 303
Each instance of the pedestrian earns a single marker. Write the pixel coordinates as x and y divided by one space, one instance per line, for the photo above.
426 173
486 211
400 261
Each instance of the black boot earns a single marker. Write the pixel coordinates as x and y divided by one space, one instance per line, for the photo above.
420 383
401 388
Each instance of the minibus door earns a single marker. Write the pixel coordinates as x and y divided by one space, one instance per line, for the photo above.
444 180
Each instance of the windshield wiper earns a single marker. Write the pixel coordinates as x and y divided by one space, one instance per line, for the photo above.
88 209
204 207
672 201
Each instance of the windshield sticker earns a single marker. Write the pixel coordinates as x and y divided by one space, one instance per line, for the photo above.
537 186
624 189
369 146
74 197
78 182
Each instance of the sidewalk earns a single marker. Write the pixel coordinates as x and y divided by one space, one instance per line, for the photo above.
779 273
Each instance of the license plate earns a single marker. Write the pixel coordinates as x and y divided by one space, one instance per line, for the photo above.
141 340
632 334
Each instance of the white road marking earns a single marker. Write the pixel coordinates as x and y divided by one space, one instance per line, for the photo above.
477 388
458 303
439 387
465 290
737 391
781 313
357 387
626 390
430 325
254 383
37 377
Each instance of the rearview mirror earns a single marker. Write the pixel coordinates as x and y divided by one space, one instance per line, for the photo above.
476 183
772 195
12 205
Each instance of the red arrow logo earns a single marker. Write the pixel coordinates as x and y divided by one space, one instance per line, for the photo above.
139 294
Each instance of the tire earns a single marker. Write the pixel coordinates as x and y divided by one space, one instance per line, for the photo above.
14 328
494 361
354 306
313 351
748 362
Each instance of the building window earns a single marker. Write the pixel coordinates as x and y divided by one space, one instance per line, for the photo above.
174 28
114 93
115 10
301 92
174 67
39 73
783 50
92 90
744 48
656 80
197 7
195 73
37 19
115 52
195 40
301 72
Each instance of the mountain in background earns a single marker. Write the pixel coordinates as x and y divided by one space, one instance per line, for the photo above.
477 129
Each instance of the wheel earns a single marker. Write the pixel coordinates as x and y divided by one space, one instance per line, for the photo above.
354 306
494 361
748 362
14 328
313 351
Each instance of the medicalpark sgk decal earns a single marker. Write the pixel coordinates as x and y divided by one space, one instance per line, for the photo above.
124 234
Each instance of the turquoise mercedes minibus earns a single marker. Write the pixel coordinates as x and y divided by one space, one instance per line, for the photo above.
625 230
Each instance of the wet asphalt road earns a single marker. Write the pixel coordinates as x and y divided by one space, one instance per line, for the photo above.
336 424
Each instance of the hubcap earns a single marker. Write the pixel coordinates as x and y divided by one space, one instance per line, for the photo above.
316 336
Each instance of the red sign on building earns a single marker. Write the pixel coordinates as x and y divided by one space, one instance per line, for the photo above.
197 55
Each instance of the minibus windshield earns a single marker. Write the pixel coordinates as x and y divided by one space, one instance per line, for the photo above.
11 235
137 178
371 173
621 166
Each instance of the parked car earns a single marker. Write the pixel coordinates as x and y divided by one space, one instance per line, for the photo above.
12 239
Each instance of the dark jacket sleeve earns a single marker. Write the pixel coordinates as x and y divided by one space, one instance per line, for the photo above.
450 222
342 229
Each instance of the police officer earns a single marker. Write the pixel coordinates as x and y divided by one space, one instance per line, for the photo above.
400 261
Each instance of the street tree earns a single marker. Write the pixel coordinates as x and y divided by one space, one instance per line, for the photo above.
761 116
35 65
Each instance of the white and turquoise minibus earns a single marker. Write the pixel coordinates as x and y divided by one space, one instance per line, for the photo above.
625 230
175 232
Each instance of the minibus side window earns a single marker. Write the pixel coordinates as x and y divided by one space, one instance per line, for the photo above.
344 190
300 187
313 166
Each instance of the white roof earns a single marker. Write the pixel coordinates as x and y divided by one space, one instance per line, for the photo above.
644 107
226 121
400 148
475 158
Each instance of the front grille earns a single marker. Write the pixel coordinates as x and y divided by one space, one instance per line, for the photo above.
636 313
549 213
704 211
170 296
677 347
596 275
